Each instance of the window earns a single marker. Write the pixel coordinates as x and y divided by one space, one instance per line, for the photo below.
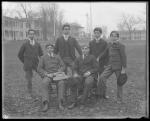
26 34
37 33
21 24
6 23
36 23
13 23
21 34
27 25
6 33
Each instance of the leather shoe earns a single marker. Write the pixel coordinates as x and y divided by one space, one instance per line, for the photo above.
61 107
105 97
45 106
72 105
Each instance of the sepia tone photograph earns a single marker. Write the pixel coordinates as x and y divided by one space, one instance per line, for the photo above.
75 60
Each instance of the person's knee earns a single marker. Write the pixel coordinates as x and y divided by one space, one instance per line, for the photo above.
28 74
61 83
102 78
89 80
46 80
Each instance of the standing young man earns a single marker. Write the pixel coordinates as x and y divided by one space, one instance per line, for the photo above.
48 65
29 54
117 62
97 48
65 46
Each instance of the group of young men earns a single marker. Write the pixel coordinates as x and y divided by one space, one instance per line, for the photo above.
96 62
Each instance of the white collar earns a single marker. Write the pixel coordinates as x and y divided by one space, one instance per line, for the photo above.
116 41
51 55
97 39
84 56
65 36
32 42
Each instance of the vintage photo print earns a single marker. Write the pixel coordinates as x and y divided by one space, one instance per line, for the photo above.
75 60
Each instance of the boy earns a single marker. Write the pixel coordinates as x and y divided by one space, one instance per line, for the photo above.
65 46
29 55
116 64
85 72
48 65
97 48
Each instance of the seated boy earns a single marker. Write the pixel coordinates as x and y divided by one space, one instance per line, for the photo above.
84 72
48 65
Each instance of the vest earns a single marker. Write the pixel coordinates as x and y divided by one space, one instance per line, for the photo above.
114 57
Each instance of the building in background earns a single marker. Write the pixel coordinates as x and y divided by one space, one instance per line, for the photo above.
16 29
135 35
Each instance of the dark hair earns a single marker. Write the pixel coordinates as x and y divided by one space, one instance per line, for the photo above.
65 25
98 29
49 44
31 30
116 32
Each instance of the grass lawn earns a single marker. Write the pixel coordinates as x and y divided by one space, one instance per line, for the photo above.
17 104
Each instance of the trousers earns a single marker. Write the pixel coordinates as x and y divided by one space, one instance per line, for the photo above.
81 83
101 86
45 89
29 76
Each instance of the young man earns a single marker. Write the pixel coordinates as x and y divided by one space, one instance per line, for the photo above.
48 65
85 72
29 54
65 46
116 63
97 48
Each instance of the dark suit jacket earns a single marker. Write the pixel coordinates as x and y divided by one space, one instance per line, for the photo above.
97 49
88 64
60 47
29 55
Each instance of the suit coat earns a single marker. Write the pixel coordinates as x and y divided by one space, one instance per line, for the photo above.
49 64
29 55
60 47
88 64
98 49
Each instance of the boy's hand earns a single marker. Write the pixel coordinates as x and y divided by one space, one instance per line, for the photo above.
75 75
59 70
97 59
50 75
87 74
123 70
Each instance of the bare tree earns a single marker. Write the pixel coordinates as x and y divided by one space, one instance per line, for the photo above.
121 26
44 23
129 23
60 22
28 12
52 20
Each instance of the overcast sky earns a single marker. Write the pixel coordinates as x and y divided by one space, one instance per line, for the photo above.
103 13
